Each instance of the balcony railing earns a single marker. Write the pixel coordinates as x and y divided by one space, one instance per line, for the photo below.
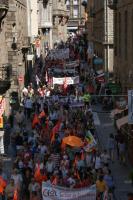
112 4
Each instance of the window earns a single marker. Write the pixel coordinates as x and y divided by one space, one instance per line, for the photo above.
68 2
126 33
75 2
75 11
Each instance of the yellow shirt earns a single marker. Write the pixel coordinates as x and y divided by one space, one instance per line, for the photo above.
101 186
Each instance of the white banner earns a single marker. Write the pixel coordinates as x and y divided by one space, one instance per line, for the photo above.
50 192
69 80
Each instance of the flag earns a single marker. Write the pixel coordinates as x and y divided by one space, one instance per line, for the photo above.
42 114
37 174
55 130
15 196
35 121
54 182
90 142
2 185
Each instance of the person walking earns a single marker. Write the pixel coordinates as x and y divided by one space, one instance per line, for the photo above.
122 150
111 146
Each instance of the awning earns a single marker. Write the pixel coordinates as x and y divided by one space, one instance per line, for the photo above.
122 121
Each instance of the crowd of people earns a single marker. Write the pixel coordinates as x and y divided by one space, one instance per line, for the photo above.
39 154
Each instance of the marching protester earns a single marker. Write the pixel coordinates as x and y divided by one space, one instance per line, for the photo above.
58 146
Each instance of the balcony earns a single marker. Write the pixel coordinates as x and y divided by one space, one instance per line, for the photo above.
5 77
3 9
112 4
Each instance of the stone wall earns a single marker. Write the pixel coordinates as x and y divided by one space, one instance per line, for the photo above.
124 44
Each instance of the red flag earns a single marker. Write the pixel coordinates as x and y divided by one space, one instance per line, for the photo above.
54 182
42 114
35 121
37 174
15 196
2 185
55 130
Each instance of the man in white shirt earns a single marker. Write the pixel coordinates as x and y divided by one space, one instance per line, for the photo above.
28 107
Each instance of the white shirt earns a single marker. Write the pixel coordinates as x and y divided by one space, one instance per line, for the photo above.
98 163
17 179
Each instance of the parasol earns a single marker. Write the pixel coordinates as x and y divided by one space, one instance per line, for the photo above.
73 141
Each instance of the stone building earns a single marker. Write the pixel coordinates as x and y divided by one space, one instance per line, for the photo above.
32 18
77 15
45 24
14 40
52 20
89 29
123 54
103 34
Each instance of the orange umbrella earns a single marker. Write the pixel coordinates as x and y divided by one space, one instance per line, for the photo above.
73 141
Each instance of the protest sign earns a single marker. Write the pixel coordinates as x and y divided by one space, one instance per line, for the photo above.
50 192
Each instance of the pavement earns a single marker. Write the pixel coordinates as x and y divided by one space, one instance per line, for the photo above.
119 172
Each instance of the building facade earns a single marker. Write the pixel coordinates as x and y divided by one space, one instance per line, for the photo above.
52 20
14 39
76 15
32 17
123 55
60 19
103 34
45 24
89 29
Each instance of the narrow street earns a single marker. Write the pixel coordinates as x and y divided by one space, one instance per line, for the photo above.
120 173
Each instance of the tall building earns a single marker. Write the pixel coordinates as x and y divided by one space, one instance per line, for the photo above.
123 54
103 34
14 47
76 15
52 20
45 24
89 29
60 19
32 17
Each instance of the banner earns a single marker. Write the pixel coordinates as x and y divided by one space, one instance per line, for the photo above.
70 80
50 192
